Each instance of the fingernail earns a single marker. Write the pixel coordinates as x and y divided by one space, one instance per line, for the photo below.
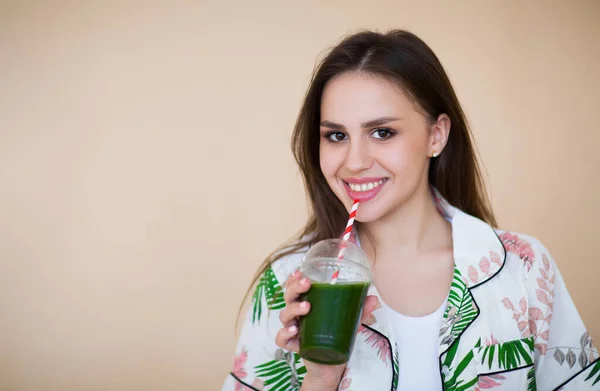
295 274
303 281
304 304
292 329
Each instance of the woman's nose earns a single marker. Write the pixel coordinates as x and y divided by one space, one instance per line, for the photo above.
358 157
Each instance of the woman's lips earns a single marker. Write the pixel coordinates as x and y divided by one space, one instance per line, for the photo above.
364 189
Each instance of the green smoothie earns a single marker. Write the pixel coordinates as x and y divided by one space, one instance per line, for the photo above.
327 331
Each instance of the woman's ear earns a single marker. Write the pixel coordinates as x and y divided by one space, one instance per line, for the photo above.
440 130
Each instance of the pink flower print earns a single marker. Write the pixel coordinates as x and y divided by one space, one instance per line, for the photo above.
377 342
519 315
346 381
473 275
487 267
487 382
520 247
508 304
523 305
495 257
484 265
239 361
540 318
491 341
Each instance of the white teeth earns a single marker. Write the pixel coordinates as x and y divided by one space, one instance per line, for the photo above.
365 186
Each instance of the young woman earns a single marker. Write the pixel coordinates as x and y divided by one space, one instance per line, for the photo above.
457 304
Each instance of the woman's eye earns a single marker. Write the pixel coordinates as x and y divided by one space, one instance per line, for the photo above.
382 134
336 136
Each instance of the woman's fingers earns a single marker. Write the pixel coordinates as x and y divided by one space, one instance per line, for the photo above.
295 287
287 338
288 315
293 277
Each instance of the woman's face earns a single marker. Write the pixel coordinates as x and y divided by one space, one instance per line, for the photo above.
375 146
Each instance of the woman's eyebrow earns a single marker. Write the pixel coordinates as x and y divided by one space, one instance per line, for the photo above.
368 124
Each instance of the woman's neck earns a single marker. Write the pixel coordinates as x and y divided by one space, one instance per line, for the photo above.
414 228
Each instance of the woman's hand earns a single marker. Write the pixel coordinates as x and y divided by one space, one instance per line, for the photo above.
318 377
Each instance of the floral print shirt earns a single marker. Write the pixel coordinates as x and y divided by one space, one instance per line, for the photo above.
510 324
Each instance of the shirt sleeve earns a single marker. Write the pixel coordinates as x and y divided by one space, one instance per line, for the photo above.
565 355
259 364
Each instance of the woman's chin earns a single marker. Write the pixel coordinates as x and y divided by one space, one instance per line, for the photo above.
366 216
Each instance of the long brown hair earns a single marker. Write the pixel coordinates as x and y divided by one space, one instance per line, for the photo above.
402 57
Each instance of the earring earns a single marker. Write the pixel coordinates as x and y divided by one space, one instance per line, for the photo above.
434 154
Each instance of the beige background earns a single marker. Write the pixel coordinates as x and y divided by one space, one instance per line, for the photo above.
145 168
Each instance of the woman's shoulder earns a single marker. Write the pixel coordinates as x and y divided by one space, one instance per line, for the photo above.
526 250
529 261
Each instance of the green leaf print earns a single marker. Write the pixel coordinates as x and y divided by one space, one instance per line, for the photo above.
509 355
467 386
450 355
453 384
268 288
461 310
595 371
451 377
257 302
396 368
531 385
285 373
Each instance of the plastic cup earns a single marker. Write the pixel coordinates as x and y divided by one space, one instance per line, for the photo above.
328 331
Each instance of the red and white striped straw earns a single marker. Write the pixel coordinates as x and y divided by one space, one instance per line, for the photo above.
346 236
348 230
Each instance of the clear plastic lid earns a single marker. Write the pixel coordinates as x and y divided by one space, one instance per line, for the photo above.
327 256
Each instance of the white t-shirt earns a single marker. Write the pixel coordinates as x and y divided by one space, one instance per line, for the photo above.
418 342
